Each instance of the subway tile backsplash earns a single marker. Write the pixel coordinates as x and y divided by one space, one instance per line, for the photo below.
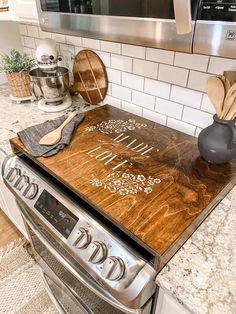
173 75
163 86
145 68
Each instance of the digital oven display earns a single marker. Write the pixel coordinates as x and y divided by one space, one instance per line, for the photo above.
56 214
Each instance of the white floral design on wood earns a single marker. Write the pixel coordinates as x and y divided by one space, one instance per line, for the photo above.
116 126
126 183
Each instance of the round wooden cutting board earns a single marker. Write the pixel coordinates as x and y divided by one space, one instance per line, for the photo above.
90 78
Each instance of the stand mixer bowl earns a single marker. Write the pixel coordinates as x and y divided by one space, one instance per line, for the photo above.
51 85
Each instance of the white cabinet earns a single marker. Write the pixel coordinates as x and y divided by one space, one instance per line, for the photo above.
167 304
8 203
24 10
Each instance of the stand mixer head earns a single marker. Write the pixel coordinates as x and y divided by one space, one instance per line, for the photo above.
46 54
50 82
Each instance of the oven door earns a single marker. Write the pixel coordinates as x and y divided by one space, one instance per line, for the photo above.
167 24
69 286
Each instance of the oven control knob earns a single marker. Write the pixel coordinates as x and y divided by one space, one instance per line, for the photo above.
15 179
12 173
96 252
20 182
83 239
30 190
113 268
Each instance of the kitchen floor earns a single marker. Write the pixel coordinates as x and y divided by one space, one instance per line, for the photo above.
8 231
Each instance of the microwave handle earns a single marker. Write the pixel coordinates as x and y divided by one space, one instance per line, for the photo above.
98 290
183 18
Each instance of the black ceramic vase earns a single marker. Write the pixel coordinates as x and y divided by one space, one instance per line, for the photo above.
217 142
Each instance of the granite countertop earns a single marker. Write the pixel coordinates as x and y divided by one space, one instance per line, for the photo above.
201 275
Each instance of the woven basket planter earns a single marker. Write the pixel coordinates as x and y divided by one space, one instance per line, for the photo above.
19 84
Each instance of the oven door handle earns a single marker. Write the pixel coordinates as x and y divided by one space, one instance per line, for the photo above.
51 294
79 303
95 288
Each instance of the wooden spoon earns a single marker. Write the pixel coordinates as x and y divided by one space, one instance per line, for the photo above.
216 92
232 112
230 76
226 83
54 137
229 99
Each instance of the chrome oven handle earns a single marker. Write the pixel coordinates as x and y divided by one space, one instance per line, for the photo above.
79 303
183 18
86 281
51 294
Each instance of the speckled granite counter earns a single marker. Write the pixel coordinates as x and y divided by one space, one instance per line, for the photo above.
202 275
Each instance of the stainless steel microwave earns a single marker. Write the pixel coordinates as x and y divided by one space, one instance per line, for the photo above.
199 26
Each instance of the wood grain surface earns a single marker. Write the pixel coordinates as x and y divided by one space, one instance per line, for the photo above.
90 79
146 178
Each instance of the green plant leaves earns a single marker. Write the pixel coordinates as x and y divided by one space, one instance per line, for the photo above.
16 62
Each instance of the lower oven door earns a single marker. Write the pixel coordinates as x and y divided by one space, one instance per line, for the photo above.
68 285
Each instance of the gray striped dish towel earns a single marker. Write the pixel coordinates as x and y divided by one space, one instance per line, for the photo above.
30 136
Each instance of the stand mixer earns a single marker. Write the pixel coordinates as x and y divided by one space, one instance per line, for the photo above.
50 82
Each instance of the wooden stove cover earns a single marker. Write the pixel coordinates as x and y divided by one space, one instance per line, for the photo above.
146 178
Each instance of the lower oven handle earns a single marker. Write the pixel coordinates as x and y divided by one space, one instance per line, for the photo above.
79 302
53 298
99 291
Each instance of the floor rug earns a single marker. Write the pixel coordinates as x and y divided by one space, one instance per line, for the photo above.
21 286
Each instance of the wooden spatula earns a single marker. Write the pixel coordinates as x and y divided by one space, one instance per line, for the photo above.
229 99
232 112
226 83
54 137
230 76
216 92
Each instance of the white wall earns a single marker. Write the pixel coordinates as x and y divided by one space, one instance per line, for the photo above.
165 86
9 39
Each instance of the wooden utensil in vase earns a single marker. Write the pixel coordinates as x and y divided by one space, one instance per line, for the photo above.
229 99
226 82
232 112
216 92
230 76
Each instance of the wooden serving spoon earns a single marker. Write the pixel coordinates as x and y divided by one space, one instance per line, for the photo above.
216 92
54 137
229 99
230 76
226 83
232 112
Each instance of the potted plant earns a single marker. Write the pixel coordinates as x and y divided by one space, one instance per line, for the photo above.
16 65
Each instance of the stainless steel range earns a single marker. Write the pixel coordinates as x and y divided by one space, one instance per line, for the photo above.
86 267
107 212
